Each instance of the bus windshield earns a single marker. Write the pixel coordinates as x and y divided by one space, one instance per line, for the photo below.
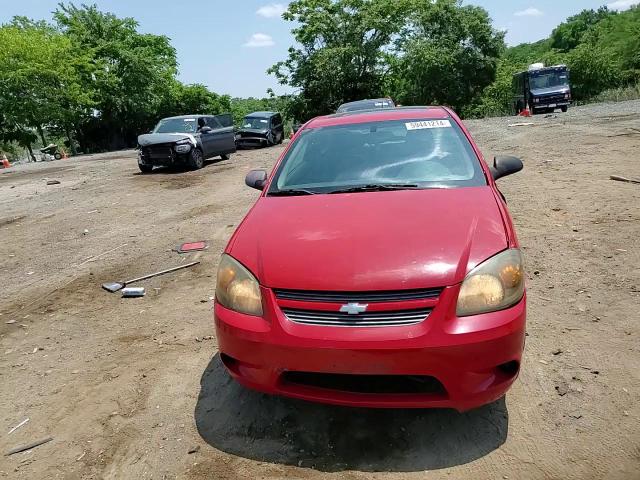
549 80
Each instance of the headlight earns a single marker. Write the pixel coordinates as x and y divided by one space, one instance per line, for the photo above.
236 288
536 100
495 284
566 96
182 147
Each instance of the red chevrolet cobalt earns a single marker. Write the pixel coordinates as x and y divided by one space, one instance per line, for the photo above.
379 268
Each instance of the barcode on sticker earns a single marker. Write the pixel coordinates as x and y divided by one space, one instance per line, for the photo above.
428 124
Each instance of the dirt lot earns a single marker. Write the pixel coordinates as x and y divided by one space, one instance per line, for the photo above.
127 387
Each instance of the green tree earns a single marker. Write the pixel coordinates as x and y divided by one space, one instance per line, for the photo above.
133 72
569 34
39 81
341 52
446 54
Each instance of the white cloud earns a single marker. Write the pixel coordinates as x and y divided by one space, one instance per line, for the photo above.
259 40
622 4
272 10
529 12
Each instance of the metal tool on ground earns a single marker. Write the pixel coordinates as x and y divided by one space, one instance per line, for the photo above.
29 446
115 286
133 292
619 178
192 247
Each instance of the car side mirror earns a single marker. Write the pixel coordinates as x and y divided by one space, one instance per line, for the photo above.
206 130
256 179
504 165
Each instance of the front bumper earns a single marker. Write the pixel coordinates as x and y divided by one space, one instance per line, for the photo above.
552 104
162 156
251 141
475 359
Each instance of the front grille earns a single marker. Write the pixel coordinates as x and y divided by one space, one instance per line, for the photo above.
160 152
557 98
250 135
367 384
357 297
366 319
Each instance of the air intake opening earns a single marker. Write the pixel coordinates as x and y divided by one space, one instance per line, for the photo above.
510 368
416 384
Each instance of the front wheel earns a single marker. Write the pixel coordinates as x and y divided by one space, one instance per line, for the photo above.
564 108
145 168
225 156
196 159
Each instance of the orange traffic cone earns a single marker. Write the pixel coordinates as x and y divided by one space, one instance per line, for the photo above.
5 161
526 112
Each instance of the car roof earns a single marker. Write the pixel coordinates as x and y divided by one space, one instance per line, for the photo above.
195 115
261 114
368 100
379 115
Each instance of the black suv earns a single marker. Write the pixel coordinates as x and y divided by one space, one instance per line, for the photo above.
186 140
260 129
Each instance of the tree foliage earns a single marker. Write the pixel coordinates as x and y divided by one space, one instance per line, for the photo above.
91 78
341 52
414 51
446 54
569 34
600 47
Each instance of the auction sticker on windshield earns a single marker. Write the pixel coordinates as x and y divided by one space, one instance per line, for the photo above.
428 124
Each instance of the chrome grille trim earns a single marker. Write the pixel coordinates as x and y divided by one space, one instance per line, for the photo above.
368 319
357 297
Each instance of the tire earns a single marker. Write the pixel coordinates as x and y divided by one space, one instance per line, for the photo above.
270 140
225 156
564 108
281 139
196 159
145 168
57 156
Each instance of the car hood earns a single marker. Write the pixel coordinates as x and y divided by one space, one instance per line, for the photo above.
550 90
390 240
156 138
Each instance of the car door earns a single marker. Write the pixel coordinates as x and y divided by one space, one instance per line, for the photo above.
227 132
206 138
217 137
278 127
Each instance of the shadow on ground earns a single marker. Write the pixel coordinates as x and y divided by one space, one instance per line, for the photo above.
271 429
183 168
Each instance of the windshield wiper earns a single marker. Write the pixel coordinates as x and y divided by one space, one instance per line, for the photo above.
377 187
290 192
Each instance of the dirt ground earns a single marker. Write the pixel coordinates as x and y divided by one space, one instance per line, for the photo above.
128 387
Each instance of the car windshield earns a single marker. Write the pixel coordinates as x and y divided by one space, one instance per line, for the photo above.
405 154
176 125
255 123
549 80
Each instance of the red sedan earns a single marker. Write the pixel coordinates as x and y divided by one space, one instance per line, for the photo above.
379 268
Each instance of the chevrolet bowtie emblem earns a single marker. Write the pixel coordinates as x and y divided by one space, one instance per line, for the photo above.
353 308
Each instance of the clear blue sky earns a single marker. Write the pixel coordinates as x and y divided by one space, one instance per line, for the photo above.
217 43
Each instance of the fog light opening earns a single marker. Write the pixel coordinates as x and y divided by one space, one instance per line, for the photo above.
228 361
510 368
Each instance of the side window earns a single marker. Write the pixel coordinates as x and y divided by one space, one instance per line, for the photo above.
277 120
213 122
225 119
